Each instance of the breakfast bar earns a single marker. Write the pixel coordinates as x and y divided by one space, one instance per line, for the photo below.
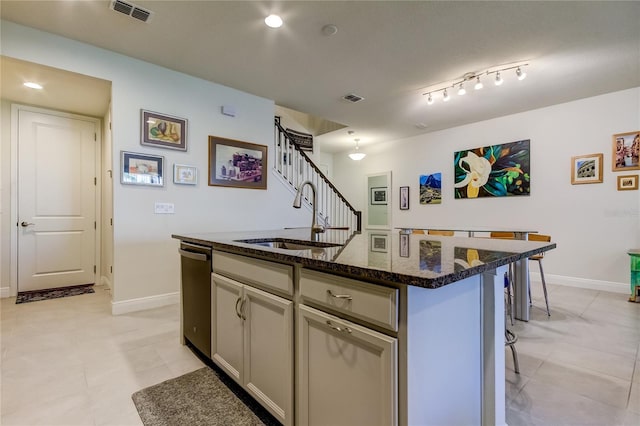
385 327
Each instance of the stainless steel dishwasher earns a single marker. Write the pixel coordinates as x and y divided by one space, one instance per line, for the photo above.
196 295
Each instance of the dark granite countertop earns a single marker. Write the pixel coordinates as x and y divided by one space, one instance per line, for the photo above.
427 261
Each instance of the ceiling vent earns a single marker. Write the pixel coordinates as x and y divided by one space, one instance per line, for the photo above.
352 97
131 10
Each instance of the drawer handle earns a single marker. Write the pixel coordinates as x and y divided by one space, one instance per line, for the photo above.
339 329
339 296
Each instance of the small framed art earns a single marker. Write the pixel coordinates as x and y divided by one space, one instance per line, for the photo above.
185 175
404 245
378 243
378 195
628 183
163 131
404 198
142 169
586 169
626 151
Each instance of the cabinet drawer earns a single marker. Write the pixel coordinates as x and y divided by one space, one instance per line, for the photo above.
262 273
368 302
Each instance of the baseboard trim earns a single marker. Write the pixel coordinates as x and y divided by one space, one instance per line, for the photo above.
144 303
600 285
5 292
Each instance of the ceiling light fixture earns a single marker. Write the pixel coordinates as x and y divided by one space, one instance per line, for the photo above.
32 85
459 83
479 84
357 155
273 21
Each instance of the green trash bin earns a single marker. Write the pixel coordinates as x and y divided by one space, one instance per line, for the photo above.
635 275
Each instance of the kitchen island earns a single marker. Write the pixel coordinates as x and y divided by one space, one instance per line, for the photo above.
373 328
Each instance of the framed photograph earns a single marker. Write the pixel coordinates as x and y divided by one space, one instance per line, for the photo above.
141 169
378 195
304 141
185 175
404 245
404 198
237 164
378 243
431 188
586 169
501 170
626 151
163 131
628 183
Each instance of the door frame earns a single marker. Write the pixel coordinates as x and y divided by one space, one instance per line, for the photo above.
15 109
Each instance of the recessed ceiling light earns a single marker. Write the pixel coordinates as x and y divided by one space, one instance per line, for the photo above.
273 21
33 85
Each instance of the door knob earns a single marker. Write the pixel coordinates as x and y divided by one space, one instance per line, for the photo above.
25 224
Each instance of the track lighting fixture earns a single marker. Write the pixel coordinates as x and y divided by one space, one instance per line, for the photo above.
479 84
471 76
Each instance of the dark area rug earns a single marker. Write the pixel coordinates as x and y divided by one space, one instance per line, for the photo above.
53 293
204 397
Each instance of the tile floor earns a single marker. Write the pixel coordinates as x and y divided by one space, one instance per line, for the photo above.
69 362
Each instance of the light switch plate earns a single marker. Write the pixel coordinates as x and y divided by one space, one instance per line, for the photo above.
164 208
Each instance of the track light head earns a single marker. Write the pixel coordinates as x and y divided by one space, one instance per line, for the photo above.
445 95
430 100
461 90
521 74
499 79
478 84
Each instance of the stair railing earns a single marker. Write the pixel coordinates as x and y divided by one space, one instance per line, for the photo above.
295 167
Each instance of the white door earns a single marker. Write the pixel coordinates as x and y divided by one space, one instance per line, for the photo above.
56 200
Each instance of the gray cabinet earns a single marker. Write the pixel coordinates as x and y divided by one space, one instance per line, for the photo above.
252 340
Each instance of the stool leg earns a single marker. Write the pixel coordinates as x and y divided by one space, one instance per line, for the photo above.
510 340
544 288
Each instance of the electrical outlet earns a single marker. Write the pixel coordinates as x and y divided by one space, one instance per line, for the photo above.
164 208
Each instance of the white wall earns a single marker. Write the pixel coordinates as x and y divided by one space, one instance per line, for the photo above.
146 263
593 225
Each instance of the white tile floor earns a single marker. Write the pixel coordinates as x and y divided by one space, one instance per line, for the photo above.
69 362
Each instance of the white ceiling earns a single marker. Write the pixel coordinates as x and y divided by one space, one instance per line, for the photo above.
386 51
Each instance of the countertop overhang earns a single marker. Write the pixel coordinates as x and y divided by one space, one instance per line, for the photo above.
426 261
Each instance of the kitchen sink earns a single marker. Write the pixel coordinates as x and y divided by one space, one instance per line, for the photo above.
287 244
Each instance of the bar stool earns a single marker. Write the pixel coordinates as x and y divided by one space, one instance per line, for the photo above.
538 258
510 339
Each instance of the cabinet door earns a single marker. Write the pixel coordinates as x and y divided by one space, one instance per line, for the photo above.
227 326
268 351
347 374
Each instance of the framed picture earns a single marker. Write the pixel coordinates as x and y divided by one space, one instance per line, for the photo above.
404 198
431 189
163 131
141 169
185 175
378 243
404 245
628 183
237 164
378 195
586 169
501 170
304 141
626 151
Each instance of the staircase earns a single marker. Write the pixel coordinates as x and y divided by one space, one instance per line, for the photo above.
295 167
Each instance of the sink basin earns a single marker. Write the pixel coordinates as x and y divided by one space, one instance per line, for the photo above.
287 244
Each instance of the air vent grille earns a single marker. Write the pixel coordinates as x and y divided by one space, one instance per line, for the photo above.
352 97
131 10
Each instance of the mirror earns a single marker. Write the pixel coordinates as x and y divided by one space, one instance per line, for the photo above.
378 198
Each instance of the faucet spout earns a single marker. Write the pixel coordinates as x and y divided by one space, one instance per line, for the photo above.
297 202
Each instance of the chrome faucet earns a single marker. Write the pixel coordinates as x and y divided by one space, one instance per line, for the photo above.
315 227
